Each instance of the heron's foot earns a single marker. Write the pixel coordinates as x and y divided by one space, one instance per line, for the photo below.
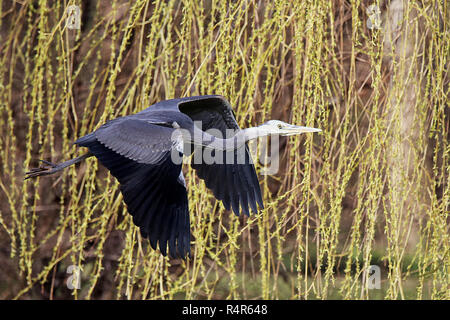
48 168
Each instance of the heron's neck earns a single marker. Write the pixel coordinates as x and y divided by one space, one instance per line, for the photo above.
236 141
253 133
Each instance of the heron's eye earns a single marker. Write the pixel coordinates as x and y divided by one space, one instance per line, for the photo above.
280 126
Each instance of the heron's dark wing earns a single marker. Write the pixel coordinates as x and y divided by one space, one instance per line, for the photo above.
155 194
136 139
236 183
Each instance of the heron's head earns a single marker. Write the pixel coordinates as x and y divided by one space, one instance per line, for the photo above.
277 127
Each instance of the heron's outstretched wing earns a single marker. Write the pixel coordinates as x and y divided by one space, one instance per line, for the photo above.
236 183
155 193
137 140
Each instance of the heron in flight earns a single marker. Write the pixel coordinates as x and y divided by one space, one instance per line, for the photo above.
138 150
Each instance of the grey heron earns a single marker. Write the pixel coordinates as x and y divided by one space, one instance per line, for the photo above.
137 149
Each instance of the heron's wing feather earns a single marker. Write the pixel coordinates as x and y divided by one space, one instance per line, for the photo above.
137 140
236 184
232 183
155 196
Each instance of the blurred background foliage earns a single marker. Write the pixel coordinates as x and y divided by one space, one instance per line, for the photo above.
371 189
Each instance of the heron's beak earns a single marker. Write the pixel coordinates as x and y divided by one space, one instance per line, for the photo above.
293 130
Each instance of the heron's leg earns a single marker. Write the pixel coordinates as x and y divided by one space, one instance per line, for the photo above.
51 168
